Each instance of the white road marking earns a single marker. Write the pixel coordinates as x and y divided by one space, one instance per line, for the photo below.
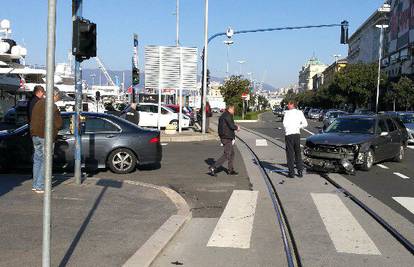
234 228
346 233
309 132
410 147
382 166
303 139
261 142
164 144
301 145
406 202
401 175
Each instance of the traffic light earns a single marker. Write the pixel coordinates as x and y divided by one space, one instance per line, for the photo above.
83 39
344 32
135 76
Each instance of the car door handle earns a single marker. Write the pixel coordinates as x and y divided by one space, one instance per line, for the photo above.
110 136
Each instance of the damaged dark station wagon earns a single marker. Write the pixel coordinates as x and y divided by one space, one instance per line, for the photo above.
356 141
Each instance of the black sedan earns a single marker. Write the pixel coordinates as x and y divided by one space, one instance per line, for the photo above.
359 141
107 141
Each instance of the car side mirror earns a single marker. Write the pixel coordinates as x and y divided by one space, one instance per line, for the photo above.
384 134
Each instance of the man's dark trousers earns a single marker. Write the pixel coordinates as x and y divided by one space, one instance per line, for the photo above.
293 153
228 154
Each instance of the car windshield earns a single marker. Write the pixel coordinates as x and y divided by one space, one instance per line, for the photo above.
352 126
407 118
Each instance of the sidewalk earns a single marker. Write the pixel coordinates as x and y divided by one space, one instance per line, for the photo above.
100 223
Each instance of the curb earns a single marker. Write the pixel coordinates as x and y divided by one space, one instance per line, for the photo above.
246 120
190 138
148 252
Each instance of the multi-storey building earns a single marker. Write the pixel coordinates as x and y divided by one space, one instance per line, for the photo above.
310 69
363 45
398 59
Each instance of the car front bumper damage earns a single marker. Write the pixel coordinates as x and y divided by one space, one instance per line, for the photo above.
343 160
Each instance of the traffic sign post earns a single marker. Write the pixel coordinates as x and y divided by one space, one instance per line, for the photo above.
245 97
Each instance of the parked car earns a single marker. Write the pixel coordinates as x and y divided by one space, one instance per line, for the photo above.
17 115
306 111
215 110
314 113
407 118
322 114
107 141
185 110
331 116
148 116
363 112
356 141
278 111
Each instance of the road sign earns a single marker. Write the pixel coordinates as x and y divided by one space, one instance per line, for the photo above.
170 67
246 96
163 67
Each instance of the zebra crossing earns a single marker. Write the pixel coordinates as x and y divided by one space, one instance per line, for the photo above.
235 226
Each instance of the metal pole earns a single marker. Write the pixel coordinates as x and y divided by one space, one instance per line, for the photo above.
227 67
50 66
177 15
180 113
243 111
205 55
159 89
379 67
78 103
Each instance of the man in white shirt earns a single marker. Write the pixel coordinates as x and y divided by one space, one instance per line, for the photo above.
293 121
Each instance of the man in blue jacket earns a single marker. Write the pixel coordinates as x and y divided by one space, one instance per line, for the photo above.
226 131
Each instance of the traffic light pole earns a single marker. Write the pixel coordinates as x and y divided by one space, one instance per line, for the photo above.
344 37
77 12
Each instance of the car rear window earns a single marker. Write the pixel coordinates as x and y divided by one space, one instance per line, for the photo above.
97 125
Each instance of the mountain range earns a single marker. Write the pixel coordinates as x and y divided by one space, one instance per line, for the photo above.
95 76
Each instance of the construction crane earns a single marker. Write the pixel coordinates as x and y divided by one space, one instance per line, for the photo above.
104 71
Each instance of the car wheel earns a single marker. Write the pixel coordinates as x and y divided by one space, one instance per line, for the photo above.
175 123
368 161
122 161
401 154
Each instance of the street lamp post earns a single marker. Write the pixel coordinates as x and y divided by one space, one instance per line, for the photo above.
386 8
228 43
241 62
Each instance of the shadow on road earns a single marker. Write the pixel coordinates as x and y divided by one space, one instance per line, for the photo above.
9 182
105 183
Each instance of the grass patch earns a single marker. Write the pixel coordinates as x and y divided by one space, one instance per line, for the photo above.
254 115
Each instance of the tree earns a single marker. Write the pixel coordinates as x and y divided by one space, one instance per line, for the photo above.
232 90
357 84
263 102
403 92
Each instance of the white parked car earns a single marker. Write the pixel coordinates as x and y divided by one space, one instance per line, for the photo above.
148 113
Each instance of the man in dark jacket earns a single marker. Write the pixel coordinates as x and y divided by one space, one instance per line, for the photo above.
38 93
226 129
131 114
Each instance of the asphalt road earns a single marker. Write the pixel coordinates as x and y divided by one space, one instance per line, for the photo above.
383 181
184 168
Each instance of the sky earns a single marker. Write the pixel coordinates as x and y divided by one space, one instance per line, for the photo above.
272 57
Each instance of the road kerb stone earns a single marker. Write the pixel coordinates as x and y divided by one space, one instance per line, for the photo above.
148 252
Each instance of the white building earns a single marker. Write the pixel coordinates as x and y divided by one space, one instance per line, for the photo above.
363 44
214 96
310 69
